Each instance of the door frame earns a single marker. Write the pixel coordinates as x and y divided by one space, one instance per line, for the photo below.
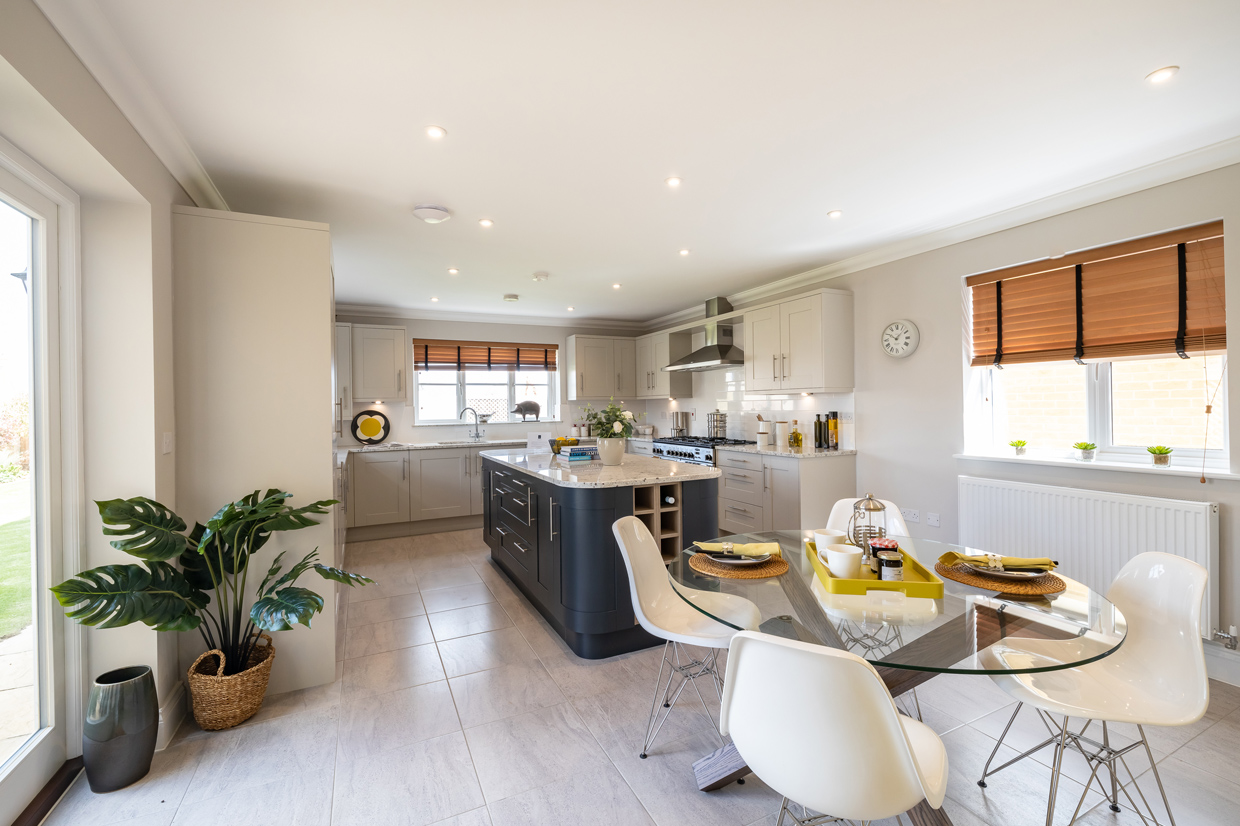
58 446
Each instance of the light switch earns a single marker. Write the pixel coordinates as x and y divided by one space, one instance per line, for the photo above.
167 448
932 519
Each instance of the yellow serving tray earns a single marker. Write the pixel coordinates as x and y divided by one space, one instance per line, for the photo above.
918 581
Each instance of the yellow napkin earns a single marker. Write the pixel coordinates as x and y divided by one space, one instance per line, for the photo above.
744 549
1040 563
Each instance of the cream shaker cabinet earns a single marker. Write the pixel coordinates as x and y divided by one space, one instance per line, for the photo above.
601 367
441 483
801 345
654 352
379 485
772 492
343 410
379 372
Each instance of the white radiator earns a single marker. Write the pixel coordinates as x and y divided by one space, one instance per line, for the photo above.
1091 533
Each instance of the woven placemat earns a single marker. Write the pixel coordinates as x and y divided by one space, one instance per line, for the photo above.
1046 584
703 564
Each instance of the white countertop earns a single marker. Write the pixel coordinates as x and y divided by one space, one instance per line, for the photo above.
633 470
803 453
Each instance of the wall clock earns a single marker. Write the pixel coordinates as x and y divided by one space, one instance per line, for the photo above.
900 338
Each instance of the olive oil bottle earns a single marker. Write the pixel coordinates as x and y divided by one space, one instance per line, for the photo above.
795 440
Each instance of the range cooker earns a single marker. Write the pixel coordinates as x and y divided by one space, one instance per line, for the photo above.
695 450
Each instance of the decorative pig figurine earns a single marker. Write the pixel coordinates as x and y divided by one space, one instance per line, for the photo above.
528 409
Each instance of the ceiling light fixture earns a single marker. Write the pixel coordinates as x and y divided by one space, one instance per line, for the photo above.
570 309
673 182
1162 75
431 213
684 252
452 270
836 213
485 223
541 275
511 297
434 299
435 132
615 286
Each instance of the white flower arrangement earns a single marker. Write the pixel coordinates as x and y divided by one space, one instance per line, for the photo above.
611 420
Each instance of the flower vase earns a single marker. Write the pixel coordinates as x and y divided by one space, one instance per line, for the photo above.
611 451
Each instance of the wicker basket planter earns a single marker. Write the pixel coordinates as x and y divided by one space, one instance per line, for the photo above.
223 702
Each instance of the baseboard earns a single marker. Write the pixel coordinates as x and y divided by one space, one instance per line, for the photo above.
1222 663
419 528
171 714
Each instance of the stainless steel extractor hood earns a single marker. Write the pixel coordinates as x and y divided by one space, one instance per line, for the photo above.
719 352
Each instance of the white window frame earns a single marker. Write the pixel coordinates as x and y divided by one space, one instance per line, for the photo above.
1098 407
553 396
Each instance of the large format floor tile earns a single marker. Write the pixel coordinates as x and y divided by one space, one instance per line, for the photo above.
479 652
502 692
381 673
375 723
461 622
386 636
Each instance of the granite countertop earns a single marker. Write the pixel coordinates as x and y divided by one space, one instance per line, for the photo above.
804 453
633 470
485 443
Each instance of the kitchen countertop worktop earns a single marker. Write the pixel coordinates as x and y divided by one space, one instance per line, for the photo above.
633 470
489 444
803 453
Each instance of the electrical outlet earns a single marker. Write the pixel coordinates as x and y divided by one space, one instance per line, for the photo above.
910 515
845 417
932 519
167 447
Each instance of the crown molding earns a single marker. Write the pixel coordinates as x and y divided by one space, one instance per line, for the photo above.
90 35
381 311
1206 159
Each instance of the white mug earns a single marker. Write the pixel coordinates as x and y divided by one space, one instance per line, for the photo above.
843 561
827 537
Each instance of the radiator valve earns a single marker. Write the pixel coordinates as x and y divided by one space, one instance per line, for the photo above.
1228 639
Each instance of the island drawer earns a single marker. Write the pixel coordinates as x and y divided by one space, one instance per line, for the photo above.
741 485
750 461
739 517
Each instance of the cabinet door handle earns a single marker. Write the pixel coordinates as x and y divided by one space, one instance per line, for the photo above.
551 519
404 462
765 486
339 417
773 376
734 509
783 362
737 476
617 381
399 381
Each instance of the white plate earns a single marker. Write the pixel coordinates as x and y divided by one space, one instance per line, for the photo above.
1001 574
743 560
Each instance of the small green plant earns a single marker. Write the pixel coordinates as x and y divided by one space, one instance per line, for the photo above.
1017 443
1085 446
1160 450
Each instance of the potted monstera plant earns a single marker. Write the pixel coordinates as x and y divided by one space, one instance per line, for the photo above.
206 591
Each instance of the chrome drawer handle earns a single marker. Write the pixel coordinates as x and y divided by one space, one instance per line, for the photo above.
736 510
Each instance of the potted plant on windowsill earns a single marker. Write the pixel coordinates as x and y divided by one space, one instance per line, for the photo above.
1020 445
613 427
227 683
1085 451
1160 455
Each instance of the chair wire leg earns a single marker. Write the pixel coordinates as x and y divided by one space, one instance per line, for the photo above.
1106 743
986 768
1157 777
1059 750
654 702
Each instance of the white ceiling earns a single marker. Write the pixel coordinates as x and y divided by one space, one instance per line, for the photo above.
564 119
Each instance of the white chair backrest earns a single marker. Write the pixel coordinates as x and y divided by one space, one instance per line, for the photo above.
648 583
838 747
1160 597
842 510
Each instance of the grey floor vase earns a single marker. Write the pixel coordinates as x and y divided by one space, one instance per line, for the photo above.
122 721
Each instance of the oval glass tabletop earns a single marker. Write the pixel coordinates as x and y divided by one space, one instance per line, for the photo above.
969 631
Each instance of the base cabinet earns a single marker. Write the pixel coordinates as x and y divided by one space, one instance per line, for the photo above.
389 486
441 483
379 488
779 493
556 545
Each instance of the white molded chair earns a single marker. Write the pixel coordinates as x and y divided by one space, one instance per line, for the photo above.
1156 678
663 612
842 510
841 747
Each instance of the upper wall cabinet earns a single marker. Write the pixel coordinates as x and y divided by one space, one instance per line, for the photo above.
379 363
343 410
601 367
654 352
801 345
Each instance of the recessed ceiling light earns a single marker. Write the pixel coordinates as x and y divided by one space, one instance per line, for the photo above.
836 213
541 275
570 309
615 286
485 222
431 213
511 297
452 270
435 132
673 182
684 252
1162 75
434 299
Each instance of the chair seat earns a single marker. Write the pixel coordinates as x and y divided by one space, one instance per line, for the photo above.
1116 689
678 621
931 759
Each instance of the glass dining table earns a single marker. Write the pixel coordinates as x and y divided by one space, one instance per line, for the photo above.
909 640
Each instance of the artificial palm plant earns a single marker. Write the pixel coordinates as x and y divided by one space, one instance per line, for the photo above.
214 560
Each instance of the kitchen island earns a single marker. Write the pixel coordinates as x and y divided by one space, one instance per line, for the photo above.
548 524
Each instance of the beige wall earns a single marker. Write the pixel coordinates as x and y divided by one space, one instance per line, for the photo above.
910 411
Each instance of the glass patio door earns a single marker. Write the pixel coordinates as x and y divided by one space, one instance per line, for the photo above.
32 674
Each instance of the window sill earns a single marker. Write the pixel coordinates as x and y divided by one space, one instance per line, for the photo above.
1123 467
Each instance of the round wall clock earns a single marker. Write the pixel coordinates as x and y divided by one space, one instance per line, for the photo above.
370 427
900 338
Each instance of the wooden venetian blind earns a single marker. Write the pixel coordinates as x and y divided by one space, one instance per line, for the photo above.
1161 295
431 354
